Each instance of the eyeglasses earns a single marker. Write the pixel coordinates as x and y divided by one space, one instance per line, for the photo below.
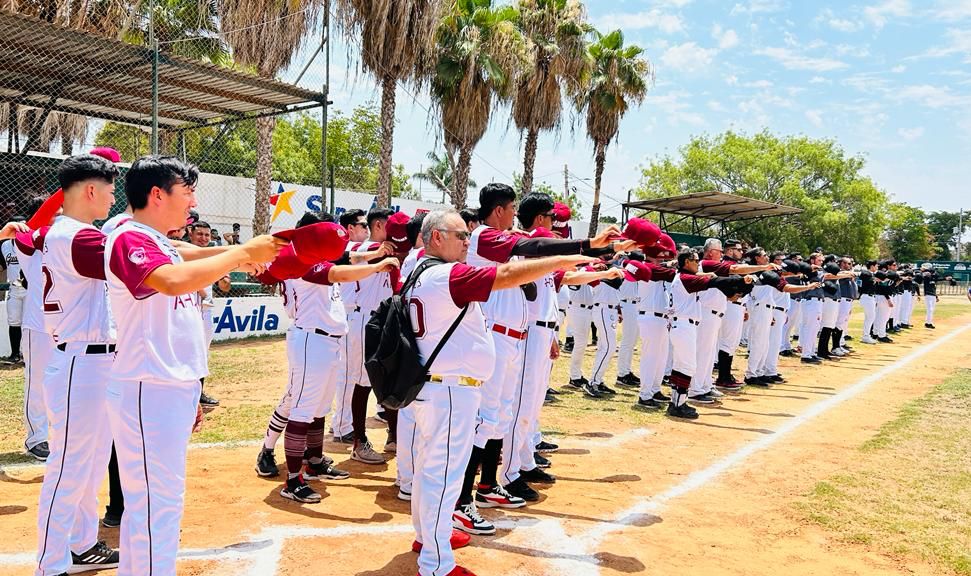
547 214
460 234
361 224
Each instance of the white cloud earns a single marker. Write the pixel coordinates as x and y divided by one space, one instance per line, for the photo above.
726 38
793 61
932 96
731 80
820 80
759 84
854 50
757 6
911 134
654 18
676 107
879 14
843 25
958 43
715 106
688 57
868 83
815 117
899 69
952 10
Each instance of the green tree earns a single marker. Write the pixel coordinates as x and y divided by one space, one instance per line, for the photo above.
907 238
941 226
620 77
608 219
441 172
843 210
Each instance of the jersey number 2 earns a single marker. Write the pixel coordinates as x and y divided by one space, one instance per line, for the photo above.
50 306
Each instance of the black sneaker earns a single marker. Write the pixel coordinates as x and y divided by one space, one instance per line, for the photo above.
381 416
541 461
931 326
323 471
550 399
660 397
628 379
345 439
811 360
604 389
848 337
705 398
299 491
40 452
97 557
775 378
577 382
758 381
553 391
591 390
538 476
266 464
666 381
787 353
111 521
649 403
12 360
521 489
682 411
886 340
306 458
545 447
207 400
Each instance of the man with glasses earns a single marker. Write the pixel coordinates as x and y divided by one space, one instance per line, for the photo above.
793 314
730 333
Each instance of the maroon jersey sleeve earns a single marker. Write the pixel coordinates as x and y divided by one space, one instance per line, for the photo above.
24 241
133 257
88 253
694 283
661 273
467 284
719 268
558 279
496 245
319 274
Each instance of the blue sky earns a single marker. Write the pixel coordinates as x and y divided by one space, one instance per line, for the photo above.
888 79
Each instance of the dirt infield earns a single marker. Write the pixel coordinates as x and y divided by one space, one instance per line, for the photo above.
636 493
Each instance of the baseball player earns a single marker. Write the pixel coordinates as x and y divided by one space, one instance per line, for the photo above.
630 301
153 394
37 344
928 280
848 292
606 297
201 235
579 314
16 293
76 316
793 316
884 292
730 333
907 297
445 410
868 300
653 320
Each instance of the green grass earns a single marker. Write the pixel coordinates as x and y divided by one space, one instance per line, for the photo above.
909 493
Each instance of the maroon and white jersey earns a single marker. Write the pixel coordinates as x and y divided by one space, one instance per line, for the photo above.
370 292
75 296
29 248
434 304
410 261
489 247
289 299
714 299
317 302
685 296
544 308
162 338
653 287
115 221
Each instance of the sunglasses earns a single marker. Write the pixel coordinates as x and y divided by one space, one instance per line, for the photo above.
361 224
460 234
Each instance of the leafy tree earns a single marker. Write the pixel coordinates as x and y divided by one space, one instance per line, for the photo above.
941 226
608 219
441 172
843 210
907 238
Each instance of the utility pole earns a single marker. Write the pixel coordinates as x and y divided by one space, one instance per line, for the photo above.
959 230
324 108
153 44
566 182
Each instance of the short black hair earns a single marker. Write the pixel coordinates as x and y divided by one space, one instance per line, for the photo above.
685 255
470 215
376 214
327 217
492 195
308 218
161 171
732 243
413 227
85 167
531 206
350 216
201 224
775 255
752 254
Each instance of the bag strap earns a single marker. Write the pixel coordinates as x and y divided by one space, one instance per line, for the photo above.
425 265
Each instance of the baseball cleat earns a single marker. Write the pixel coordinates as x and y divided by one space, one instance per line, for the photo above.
467 519
715 393
545 447
701 399
266 464
459 571
541 461
520 488
323 471
811 360
591 390
345 439
604 389
299 491
538 476
207 400
758 381
364 452
97 557
775 378
577 382
381 416
111 521
661 397
550 398
787 353
402 495
649 403
931 326
496 497
40 452
885 340
682 411
456 540
553 391
868 340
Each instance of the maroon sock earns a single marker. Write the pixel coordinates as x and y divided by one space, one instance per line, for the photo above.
294 443
315 439
392 417
490 462
359 411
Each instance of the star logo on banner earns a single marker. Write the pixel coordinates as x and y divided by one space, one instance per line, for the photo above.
281 202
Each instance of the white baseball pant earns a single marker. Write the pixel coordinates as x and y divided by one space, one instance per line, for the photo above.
579 321
405 452
792 321
930 301
654 352
906 307
895 311
445 427
80 445
843 317
730 333
869 304
882 315
776 332
605 319
15 307
519 443
495 411
351 373
684 338
151 423
38 347
707 349
628 338
760 328
831 310
208 325
812 310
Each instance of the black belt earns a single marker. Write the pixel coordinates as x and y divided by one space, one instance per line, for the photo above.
690 321
611 306
586 306
846 299
92 348
550 325
626 301
813 298
658 314
779 308
717 313
735 303
325 333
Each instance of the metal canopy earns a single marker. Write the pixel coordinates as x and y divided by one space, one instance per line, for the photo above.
716 206
53 68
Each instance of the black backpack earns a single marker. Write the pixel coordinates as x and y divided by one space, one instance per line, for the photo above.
391 351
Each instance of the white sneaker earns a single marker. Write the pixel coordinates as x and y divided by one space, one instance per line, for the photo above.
868 340
715 393
402 495
467 519
837 352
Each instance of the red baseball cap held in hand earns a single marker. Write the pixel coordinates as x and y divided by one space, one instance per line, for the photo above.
397 229
665 248
316 243
634 271
561 215
644 232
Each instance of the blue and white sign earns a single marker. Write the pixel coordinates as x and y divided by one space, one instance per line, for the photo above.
243 317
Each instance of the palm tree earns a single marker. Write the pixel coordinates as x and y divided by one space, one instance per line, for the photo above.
481 53
620 76
264 36
441 173
397 43
554 30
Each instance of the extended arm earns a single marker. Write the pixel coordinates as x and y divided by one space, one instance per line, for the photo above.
355 273
514 274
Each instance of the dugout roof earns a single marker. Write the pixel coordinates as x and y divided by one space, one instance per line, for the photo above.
53 68
712 208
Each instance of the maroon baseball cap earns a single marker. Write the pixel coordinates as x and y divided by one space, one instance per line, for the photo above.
634 271
285 266
561 214
540 232
397 229
107 153
644 232
316 243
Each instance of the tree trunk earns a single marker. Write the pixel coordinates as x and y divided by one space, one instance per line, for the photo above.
461 181
529 161
67 146
600 156
264 172
387 140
